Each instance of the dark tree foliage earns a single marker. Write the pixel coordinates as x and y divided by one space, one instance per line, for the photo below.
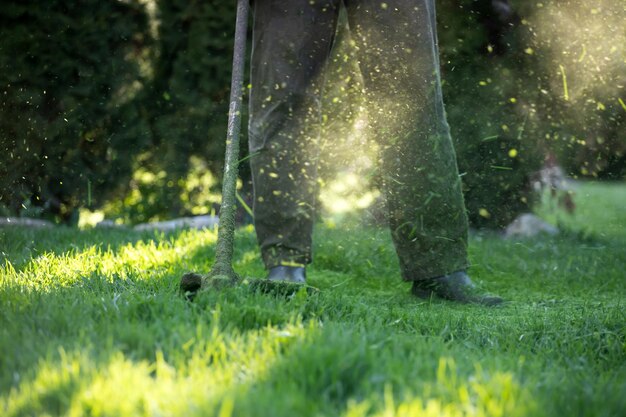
186 103
529 81
485 87
95 94
67 130
575 65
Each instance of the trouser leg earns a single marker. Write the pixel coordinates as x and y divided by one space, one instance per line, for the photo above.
399 61
291 42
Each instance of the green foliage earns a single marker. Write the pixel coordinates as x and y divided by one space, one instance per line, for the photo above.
490 112
110 92
68 73
186 102
576 53
91 324
528 85
97 94
148 194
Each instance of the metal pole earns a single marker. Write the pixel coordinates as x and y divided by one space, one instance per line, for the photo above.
222 270
226 231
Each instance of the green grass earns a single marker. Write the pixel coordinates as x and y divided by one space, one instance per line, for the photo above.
91 324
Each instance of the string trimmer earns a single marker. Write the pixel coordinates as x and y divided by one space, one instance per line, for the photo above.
222 273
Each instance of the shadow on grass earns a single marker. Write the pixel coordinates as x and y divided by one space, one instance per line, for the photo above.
299 368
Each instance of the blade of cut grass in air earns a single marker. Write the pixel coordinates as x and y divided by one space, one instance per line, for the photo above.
565 89
245 206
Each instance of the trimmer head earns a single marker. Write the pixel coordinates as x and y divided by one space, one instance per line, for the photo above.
222 273
192 283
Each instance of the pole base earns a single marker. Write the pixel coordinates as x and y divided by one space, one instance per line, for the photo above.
192 283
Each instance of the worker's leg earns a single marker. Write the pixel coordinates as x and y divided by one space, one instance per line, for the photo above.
399 61
291 42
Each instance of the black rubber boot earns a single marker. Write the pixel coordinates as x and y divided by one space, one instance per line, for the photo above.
288 274
456 286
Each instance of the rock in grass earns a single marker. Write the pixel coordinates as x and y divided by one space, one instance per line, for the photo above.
529 225
25 222
196 222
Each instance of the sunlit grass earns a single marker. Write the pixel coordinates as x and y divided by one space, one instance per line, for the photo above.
480 395
91 323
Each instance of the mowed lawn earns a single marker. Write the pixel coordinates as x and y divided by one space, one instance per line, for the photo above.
91 324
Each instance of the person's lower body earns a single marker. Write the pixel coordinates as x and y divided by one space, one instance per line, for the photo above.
398 58
291 42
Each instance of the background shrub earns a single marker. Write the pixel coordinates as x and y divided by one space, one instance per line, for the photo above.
68 127
123 105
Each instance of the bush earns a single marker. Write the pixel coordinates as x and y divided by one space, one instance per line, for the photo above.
578 50
490 110
185 106
526 81
117 104
68 73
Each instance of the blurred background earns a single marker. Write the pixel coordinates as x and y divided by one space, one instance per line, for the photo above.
117 109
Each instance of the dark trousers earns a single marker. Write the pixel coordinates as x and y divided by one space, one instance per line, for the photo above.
398 58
